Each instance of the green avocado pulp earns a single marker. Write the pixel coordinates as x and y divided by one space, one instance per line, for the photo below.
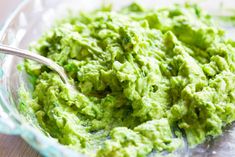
143 77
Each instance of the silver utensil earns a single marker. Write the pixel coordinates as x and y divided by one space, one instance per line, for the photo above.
36 57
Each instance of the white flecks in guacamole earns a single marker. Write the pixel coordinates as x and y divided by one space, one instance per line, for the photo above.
142 75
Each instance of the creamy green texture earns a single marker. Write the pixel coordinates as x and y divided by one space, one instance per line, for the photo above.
142 75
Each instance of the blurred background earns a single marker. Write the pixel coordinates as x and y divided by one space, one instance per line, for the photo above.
6 8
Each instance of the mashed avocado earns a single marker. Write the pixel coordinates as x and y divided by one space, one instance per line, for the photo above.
143 76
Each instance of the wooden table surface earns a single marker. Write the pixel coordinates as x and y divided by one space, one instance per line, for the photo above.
13 146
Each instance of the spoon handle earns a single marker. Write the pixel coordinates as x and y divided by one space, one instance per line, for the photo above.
36 57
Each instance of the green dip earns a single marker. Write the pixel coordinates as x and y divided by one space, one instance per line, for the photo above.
145 78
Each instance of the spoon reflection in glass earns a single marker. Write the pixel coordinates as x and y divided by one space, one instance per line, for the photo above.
36 57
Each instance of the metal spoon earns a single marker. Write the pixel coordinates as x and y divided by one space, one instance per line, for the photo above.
36 57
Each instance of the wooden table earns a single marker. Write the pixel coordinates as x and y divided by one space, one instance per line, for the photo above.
13 146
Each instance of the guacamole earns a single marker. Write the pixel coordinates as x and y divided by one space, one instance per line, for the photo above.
145 78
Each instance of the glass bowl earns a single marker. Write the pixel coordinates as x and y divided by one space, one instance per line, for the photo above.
26 24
